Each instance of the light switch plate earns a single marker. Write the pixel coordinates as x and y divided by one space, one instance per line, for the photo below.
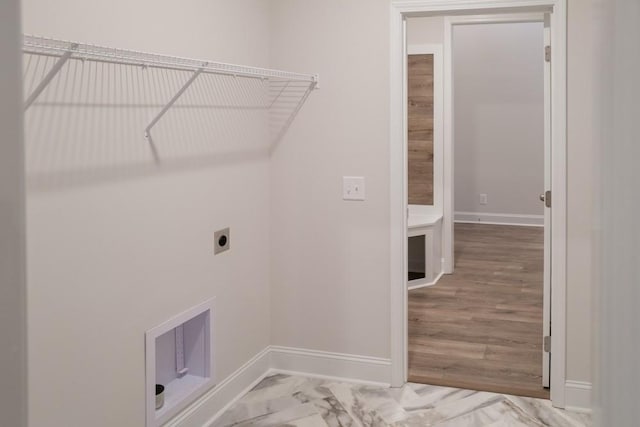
353 188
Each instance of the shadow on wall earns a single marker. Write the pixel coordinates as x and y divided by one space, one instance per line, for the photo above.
88 125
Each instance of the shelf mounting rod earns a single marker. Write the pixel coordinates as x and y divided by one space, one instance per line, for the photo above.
156 119
50 75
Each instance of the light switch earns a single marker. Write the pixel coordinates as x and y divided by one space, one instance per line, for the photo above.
353 187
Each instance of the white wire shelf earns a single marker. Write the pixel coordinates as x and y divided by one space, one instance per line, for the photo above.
60 52
82 51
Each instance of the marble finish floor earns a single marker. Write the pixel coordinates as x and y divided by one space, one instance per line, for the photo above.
283 400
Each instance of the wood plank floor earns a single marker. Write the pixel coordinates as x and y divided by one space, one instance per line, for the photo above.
481 327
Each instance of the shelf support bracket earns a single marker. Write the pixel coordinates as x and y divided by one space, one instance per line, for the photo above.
279 93
156 119
294 113
50 75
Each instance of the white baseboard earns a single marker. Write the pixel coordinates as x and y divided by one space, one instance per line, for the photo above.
424 285
285 360
217 400
577 396
499 219
328 378
347 367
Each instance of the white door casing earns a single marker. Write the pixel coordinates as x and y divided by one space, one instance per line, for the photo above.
497 9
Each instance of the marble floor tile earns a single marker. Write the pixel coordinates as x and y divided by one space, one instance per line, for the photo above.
312 421
428 396
333 413
356 406
548 415
246 410
283 400
453 409
281 418
380 401
498 414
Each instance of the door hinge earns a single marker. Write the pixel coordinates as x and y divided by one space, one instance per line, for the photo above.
547 344
547 198
547 53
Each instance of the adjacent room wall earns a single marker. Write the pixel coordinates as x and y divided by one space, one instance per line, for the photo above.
13 333
498 80
117 249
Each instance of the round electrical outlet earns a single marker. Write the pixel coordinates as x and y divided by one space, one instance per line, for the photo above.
222 240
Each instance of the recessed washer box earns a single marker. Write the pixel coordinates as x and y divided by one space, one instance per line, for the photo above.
179 355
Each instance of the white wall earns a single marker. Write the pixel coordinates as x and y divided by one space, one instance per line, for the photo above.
118 247
616 295
498 80
330 258
13 356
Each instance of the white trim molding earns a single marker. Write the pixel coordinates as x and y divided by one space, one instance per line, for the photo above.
412 8
499 219
426 285
398 201
400 10
578 396
349 367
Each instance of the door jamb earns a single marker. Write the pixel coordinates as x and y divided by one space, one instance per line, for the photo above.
401 9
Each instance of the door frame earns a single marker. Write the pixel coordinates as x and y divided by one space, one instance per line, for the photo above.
400 10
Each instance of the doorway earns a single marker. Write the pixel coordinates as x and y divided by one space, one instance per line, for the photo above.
557 100
481 325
